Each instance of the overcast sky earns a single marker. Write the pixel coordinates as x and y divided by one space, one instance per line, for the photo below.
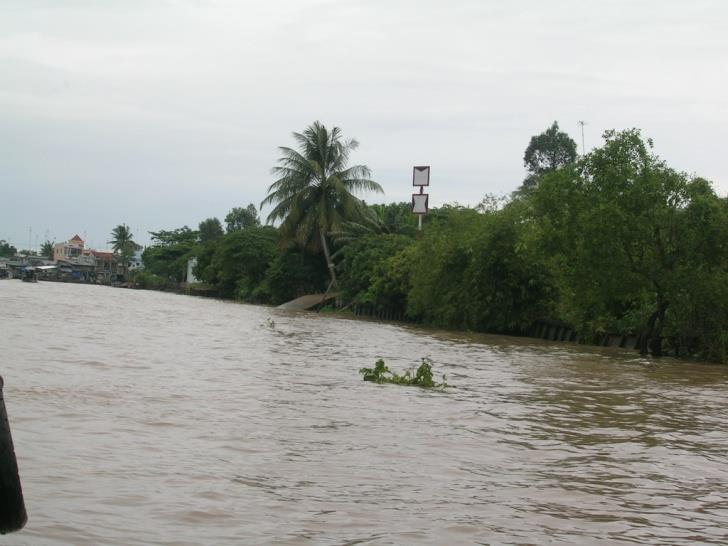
160 114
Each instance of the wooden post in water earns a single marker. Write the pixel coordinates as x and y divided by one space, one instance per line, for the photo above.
12 508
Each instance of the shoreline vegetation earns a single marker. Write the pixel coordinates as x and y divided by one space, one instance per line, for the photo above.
610 244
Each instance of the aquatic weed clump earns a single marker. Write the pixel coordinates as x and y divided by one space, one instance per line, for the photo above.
422 377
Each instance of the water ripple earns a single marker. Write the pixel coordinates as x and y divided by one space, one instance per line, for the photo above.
151 418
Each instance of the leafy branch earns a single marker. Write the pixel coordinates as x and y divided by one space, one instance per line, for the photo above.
422 377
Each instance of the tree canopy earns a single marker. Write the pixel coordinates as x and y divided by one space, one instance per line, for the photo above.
210 229
168 254
547 152
242 218
632 235
6 249
122 242
612 242
314 192
46 250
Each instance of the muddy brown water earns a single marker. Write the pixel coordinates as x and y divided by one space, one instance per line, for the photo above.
150 418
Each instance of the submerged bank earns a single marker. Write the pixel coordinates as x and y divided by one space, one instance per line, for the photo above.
543 329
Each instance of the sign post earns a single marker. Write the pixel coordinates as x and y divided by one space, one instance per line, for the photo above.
420 201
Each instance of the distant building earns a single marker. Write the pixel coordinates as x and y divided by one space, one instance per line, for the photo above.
68 250
106 266
84 264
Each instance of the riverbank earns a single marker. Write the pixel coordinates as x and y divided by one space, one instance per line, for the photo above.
545 330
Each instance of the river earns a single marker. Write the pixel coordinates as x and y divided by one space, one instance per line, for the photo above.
150 418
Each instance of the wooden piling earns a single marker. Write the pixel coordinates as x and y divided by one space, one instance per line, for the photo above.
12 508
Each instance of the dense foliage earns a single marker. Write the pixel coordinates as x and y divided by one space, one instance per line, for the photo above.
294 272
7 250
546 153
636 247
240 261
367 271
240 218
209 230
612 242
46 250
169 252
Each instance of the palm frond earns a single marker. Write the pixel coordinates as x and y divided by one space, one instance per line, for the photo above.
314 188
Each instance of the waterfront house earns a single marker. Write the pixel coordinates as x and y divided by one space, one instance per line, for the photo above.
78 263
106 266
15 266
82 269
66 251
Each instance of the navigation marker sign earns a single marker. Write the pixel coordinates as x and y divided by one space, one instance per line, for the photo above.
421 176
420 201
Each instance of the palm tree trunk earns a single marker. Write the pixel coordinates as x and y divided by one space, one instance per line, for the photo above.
329 263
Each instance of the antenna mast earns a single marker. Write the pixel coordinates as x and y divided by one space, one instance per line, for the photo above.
583 148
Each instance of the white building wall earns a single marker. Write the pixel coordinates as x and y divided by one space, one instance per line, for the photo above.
191 263
136 261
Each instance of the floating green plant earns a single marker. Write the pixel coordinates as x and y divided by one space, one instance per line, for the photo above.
422 377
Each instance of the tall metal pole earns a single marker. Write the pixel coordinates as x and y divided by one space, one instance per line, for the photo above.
583 148
419 216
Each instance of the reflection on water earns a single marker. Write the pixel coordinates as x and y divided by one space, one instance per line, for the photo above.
149 418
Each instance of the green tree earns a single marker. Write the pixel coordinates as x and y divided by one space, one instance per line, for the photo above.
123 245
392 218
507 285
46 250
241 260
168 254
6 249
624 234
204 253
242 218
313 194
477 269
396 218
174 237
438 264
546 153
549 151
210 229
294 272
367 274
697 317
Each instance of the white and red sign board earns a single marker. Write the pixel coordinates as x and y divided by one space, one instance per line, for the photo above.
420 203
421 176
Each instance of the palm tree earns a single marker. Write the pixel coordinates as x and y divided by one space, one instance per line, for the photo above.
122 243
46 250
313 194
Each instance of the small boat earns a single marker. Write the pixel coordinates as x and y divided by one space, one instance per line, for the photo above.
29 274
